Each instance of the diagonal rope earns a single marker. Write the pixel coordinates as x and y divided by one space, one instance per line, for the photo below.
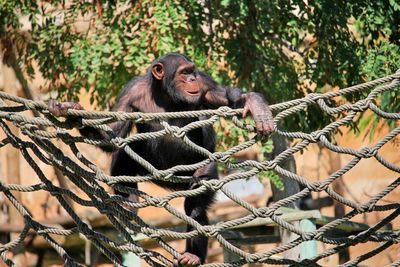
38 150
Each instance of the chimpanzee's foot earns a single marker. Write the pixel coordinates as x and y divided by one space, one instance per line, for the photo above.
187 260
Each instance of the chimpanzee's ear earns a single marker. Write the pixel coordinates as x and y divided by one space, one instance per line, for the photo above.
158 71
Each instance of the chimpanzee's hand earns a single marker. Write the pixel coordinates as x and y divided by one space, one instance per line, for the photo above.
260 111
61 109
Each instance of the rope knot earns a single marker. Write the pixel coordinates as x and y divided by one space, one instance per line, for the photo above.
161 175
214 185
314 137
269 165
312 98
162 203
225 159
316 186
226 112
173 130
207 230
216 156
306 236
118 142
360 106
366 152
263 212
367 207
361 209
251 258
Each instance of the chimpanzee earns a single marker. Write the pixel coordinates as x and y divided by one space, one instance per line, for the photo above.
173 83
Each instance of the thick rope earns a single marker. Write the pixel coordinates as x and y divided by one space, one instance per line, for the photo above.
86 176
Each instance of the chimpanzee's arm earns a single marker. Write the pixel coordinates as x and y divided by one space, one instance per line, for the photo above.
119 128
216 95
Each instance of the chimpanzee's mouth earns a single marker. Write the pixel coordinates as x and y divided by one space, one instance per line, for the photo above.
193 93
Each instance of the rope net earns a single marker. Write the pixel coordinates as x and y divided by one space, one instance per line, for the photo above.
38 149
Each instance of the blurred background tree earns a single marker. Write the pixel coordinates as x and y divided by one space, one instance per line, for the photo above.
283 49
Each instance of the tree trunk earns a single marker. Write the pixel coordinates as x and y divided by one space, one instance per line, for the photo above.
12 159
335 164
291 187
13 63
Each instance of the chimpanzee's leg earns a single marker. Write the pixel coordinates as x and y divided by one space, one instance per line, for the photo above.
122 164
196 207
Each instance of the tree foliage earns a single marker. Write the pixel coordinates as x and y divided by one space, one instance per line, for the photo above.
284 49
